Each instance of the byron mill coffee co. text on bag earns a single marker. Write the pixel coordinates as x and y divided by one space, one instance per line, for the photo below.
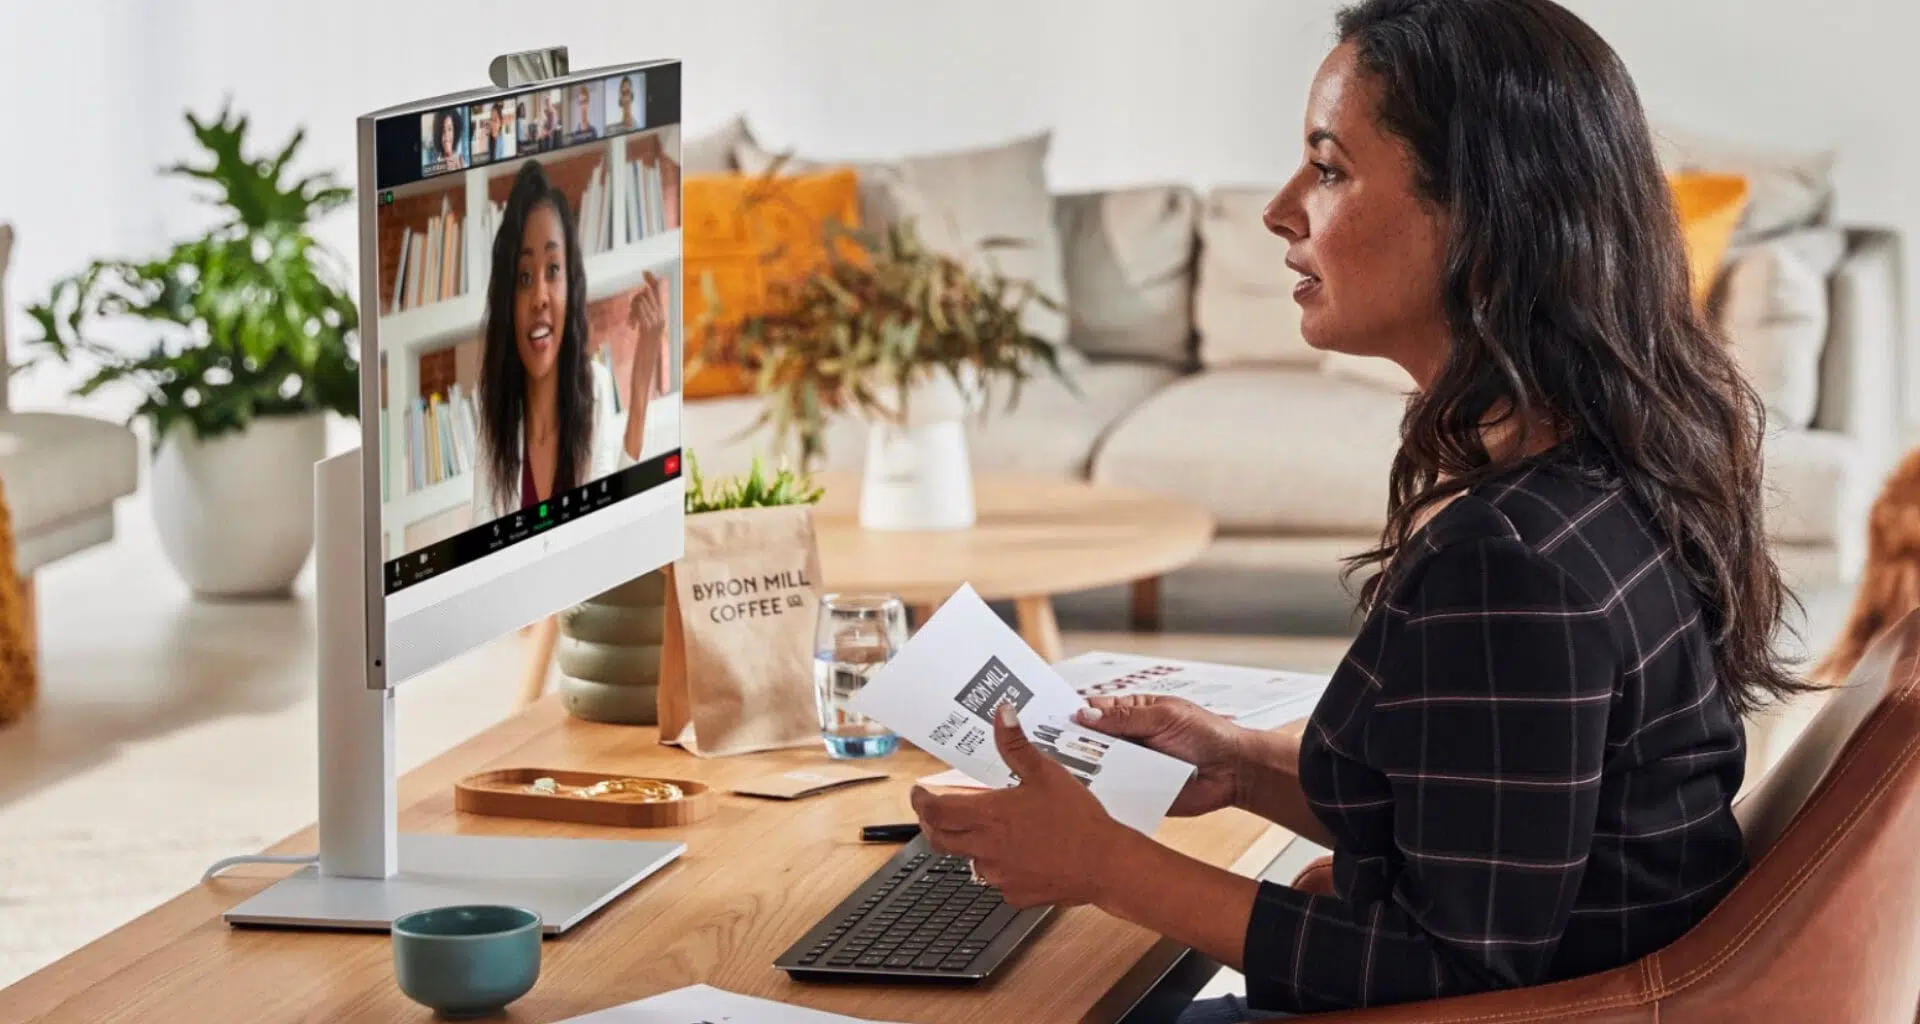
736 669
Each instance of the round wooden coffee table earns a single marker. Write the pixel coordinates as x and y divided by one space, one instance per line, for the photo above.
1031 539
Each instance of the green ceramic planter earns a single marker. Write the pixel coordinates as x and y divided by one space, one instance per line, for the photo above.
608 653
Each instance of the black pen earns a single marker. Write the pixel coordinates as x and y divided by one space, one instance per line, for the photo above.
889 833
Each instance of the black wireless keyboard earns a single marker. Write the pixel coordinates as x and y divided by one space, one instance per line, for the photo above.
920 916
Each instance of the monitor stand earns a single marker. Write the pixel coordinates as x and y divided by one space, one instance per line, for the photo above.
368 873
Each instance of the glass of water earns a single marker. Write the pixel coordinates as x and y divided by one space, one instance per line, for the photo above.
857 634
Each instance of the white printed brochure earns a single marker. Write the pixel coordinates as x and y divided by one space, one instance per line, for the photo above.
704 1004
941 691
1257 698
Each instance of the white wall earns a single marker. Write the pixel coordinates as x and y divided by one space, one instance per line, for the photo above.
1202 91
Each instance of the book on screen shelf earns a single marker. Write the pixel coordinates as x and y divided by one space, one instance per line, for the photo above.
592 214
432 266
442 438
646 200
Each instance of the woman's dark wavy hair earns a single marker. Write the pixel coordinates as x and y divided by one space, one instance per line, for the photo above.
503 379
1569 302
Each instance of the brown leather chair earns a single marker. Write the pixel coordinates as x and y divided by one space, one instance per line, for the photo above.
1826 925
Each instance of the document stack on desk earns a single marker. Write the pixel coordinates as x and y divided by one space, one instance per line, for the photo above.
1257 698
941 691
704 1004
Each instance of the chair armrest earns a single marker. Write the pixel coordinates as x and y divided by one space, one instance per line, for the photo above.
1316 879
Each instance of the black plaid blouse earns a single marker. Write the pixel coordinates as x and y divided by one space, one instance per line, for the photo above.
1523 760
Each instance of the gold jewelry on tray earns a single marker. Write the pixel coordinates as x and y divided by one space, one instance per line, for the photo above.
637 790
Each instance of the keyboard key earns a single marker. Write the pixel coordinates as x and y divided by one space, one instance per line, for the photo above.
900 961
870 960
956 963
995 921
929 961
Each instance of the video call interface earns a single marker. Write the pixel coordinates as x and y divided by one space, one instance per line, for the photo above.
530 299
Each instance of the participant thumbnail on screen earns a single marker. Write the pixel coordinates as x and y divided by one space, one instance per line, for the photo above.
548 109
586 112
443 141
480 132
627 103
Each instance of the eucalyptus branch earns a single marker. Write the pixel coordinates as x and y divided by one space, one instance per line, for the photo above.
880 313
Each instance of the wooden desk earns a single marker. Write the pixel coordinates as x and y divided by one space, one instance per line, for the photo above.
755 876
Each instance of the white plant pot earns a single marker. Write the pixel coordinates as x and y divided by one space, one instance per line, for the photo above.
236 513
918 475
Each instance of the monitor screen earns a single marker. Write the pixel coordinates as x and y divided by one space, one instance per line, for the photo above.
525 310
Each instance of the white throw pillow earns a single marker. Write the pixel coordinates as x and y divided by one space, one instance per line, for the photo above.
711 152
1775 311
1243 292
1786 189
957 201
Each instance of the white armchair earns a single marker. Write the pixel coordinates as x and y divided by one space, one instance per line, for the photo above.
62 472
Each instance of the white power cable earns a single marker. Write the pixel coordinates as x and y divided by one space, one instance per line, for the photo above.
259 858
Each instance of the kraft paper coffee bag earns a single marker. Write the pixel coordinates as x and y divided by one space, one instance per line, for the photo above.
736 671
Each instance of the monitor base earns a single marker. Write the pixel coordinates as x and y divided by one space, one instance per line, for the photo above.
562 880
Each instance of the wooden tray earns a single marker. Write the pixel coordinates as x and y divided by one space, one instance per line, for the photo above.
505 792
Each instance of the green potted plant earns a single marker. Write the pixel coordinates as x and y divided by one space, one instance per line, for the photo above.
610 645
910 339
252 327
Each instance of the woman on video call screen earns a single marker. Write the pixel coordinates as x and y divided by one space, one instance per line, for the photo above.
547 408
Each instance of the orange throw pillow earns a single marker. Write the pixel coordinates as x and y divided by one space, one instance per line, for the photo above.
1710 207
733 224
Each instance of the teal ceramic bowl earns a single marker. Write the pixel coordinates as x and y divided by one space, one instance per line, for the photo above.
467 961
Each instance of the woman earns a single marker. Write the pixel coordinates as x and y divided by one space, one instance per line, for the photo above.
546 404
1526 761
480 123
629 121
447 130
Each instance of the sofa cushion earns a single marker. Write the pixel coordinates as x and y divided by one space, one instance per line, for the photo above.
1813 486
711 152
1053 432
1787 189
1050 431
1266 450
959 201
57 466
1774 312
1243 297
1377 371
1128 265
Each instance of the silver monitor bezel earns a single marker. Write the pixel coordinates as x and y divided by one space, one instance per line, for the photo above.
366 206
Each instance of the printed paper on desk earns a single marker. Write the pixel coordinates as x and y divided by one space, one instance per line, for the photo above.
1258 698
704 1004
941 691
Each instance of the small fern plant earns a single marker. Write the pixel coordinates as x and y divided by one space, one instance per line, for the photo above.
755 490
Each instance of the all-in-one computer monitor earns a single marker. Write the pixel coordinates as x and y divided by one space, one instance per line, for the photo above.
522 356
520 359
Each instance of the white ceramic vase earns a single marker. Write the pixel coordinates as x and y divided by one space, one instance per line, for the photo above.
236 512
918 474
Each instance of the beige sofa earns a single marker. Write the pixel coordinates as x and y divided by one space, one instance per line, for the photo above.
62 472
1184 343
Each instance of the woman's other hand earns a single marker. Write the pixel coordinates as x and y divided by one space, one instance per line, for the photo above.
1180 729
647 314
1045 840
